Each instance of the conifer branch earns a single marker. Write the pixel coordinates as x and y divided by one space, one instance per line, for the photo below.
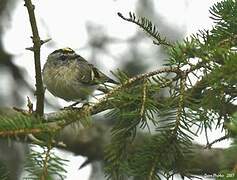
180 103
8 133
93 109
147 26
44 174
144 96
153 170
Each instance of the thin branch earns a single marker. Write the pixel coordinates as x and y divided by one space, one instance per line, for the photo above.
41 42
29 105
152 172
7 133
208 146
206 134
144 96
180 103
151 30
44 175
36 48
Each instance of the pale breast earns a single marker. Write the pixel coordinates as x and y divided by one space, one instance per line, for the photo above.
62 82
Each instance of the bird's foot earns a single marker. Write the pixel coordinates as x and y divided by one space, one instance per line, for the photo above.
71 107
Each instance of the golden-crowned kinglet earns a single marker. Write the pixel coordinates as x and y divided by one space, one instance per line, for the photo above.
69 76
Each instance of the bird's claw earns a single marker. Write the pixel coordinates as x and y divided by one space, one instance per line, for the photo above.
71 107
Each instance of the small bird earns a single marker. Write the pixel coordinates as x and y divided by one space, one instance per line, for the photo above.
69 76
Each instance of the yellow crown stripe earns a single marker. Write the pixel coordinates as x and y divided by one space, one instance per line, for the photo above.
67 49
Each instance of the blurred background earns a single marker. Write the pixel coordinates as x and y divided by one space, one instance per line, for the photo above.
94 30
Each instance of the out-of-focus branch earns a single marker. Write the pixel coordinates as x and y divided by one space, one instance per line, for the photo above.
90 142
36 49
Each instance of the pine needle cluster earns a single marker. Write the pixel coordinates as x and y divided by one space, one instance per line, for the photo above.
200 78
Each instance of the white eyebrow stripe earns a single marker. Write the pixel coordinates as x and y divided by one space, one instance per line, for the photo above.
92 75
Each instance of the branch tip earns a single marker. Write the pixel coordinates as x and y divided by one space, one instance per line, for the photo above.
120 14
45 41
30 49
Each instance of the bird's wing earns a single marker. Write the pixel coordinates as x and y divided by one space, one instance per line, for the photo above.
89 74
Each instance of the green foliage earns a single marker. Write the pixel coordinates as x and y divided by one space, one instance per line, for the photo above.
232 127
161 154
148 27
43 163
17 122
224 14
3 171
135 107
202 93
129 113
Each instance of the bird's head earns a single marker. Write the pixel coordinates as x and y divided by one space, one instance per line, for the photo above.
61 56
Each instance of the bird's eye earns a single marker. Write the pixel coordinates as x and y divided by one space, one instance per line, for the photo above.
63 57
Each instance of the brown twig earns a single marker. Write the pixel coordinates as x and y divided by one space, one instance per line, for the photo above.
29 105
44 174
144 96
21 132
36 49
209 145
